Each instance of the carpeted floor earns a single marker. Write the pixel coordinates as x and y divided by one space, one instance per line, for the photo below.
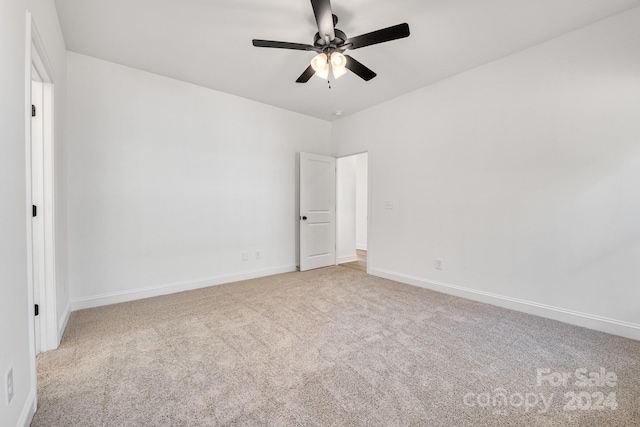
360 264
331 347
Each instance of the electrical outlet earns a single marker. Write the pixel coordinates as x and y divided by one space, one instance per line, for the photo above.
245 256
258 254
439 263
9 384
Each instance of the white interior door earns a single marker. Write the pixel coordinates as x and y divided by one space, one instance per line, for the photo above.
317 211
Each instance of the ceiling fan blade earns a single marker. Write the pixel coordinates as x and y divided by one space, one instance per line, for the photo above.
324 18
386 34
308 73
360 70
282 45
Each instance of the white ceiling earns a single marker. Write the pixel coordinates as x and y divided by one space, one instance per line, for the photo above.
208 42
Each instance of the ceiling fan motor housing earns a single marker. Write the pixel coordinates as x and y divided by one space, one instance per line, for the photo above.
336 44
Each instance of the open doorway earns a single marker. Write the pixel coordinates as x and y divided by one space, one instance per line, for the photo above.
352 210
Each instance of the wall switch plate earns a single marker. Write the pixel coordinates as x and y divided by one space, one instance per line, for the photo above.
258 254
9 385
245 256
388 204
439 263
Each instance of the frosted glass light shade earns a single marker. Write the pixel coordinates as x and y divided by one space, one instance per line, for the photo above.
338 63
320 64
338 60
339 72
324 72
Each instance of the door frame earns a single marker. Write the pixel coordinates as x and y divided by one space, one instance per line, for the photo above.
37 63
369 205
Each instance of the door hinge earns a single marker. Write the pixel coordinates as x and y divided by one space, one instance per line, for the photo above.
33 110
37 310
34 210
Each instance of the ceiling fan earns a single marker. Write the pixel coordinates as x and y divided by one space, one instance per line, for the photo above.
330 44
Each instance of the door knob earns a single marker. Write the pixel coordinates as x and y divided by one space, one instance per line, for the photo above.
304 218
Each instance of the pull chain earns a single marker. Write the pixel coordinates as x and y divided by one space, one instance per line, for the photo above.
329 83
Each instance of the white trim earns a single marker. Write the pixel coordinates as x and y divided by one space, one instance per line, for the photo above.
590 321
37 223
360 246
30 297
369 212
63 321
28 410
170 288
48 213
42 62
347 258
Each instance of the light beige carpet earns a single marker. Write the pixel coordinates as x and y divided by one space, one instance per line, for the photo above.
330 347
360 264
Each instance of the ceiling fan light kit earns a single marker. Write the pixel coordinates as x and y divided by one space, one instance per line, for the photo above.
330 44
321 64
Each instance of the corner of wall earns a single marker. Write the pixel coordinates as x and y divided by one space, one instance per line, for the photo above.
28 411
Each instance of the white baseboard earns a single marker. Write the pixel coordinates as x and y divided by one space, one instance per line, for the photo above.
28 410
347 258
590 321
170 288
361 247
63 321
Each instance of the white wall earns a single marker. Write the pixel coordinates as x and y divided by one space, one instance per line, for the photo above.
170 182
346 208
14 329
362 191
522 175
15 310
